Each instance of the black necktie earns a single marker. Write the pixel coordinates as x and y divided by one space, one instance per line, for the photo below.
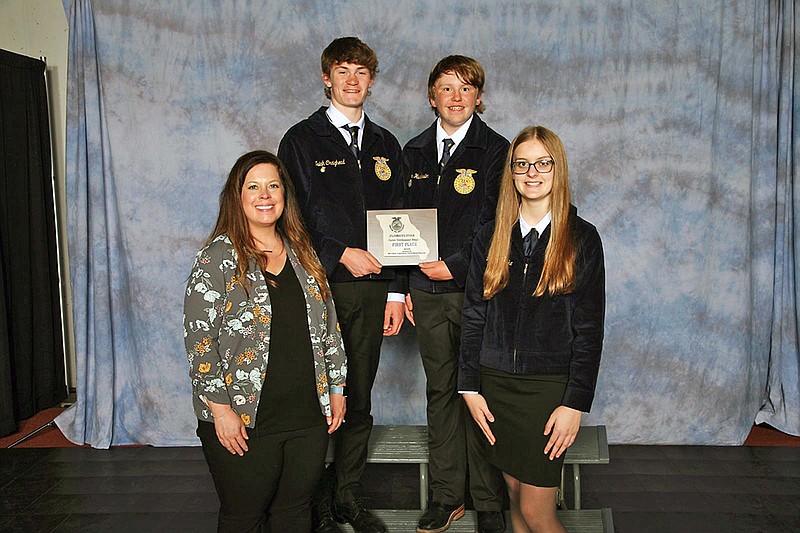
530 241
448 144
353 140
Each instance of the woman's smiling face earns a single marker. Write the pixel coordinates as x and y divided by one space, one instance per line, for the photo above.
262 196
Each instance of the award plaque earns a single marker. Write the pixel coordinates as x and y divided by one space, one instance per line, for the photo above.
398 237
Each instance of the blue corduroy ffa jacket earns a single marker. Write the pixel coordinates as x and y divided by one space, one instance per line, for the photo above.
518 333
465 194
335 192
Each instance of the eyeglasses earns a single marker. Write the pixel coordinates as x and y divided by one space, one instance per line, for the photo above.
542 166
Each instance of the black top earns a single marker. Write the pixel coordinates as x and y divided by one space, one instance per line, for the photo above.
289 400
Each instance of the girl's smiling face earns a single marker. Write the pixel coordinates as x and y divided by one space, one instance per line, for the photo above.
533 186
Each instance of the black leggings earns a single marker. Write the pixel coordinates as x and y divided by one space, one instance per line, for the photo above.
277 474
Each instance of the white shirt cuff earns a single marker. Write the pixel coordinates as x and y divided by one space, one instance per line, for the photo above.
396 297
468 392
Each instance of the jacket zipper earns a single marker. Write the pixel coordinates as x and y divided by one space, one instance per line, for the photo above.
516 333
436 204
360 185
438 181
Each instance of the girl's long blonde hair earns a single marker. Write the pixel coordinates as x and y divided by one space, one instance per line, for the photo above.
558 275
232 221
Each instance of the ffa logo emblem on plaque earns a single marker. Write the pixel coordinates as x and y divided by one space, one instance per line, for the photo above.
382 169
464 182
396 225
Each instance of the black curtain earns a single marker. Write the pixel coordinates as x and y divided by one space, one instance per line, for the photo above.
31 351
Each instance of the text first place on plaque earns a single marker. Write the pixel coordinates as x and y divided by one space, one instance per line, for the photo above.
399 237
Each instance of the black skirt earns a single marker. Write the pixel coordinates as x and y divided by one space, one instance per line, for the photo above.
521 405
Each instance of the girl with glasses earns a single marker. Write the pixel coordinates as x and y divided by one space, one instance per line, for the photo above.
532 329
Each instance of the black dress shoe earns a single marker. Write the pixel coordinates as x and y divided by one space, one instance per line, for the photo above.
491 522
354 513
438 517
322 519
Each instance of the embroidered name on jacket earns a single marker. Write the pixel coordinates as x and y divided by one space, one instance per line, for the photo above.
328 163
416 176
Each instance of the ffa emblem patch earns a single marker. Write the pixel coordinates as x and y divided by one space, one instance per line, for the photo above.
464 182
382 169
396 225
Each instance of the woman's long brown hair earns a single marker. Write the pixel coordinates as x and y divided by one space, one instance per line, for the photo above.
558 275
232 221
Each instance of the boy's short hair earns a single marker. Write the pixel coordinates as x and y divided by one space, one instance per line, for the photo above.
348 50
466 68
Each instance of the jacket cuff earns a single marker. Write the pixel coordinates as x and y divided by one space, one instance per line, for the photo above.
468 380
455 264
578 399
330 254
399 283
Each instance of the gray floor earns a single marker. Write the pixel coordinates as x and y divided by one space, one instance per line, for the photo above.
698 488
649 488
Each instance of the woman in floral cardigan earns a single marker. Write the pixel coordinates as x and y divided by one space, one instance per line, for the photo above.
268 366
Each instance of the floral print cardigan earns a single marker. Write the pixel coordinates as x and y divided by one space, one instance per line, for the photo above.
227 333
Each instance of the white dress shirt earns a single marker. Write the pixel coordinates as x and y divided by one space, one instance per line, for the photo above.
341 122
540 226
456 137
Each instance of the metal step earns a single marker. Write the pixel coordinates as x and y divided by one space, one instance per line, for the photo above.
583 521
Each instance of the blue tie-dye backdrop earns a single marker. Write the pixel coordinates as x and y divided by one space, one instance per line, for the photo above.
669 111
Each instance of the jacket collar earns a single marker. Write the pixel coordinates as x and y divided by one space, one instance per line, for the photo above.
477 137
516 233
319 123
516 240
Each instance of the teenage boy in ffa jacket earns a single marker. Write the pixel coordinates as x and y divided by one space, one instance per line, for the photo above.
455 166
343 164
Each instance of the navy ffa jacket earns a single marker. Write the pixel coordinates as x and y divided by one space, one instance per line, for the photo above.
334 193
517 333
465 195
